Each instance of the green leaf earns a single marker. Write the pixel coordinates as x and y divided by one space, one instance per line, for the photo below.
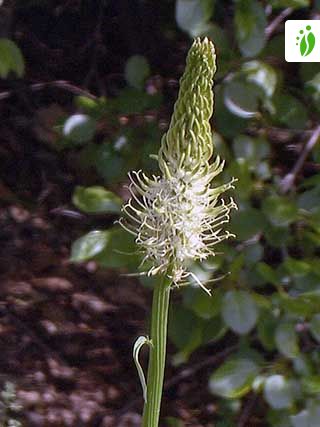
268 273
213 330
304 304
266 328
252 149
296 267
308 417
247 223
280 210
309 200
96 200
208 8
86 103
79 128
303 365
132 101
239 311
315 327
202 304
253 253
89 245
121 251
173 422
110 164
185 329
278 392
295 4
289 111
311 385
250 23
308 70
11 58
136 71
278 418
242 99
313 86
221 41
192 15
226 123
286 340
262 74
277 236
234 378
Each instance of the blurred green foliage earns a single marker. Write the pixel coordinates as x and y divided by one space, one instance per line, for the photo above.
11 59
268 303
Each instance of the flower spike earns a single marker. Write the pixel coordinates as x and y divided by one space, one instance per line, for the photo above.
178 216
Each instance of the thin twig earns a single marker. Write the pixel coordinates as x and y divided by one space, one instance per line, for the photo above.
271 28
188 372
247 411
61 84
287 182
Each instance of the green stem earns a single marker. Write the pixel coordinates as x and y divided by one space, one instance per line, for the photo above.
157 358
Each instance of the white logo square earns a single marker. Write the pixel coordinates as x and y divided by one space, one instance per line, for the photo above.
302 40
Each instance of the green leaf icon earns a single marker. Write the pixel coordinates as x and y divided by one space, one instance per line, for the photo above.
307 43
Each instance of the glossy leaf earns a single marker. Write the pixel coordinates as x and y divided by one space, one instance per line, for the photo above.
239 311
287 340
250 23
96 200
241 99
278 392
307 417
137 69
89 245
233 379
79 128
262 74
192 15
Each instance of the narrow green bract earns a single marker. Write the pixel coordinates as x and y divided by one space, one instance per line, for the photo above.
177 217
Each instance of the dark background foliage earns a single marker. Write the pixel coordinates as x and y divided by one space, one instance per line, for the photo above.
87 90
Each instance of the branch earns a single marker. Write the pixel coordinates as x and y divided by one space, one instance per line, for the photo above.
247 411
188 372
271 28
287 182
61 84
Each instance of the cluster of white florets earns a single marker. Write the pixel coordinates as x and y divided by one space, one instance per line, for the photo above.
176 220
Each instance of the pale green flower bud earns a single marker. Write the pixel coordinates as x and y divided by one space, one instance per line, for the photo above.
178 217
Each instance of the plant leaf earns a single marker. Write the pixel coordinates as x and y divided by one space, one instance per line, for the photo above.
234 378
239 311
96 200
89 245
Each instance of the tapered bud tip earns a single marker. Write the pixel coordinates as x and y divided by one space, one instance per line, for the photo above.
203 51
